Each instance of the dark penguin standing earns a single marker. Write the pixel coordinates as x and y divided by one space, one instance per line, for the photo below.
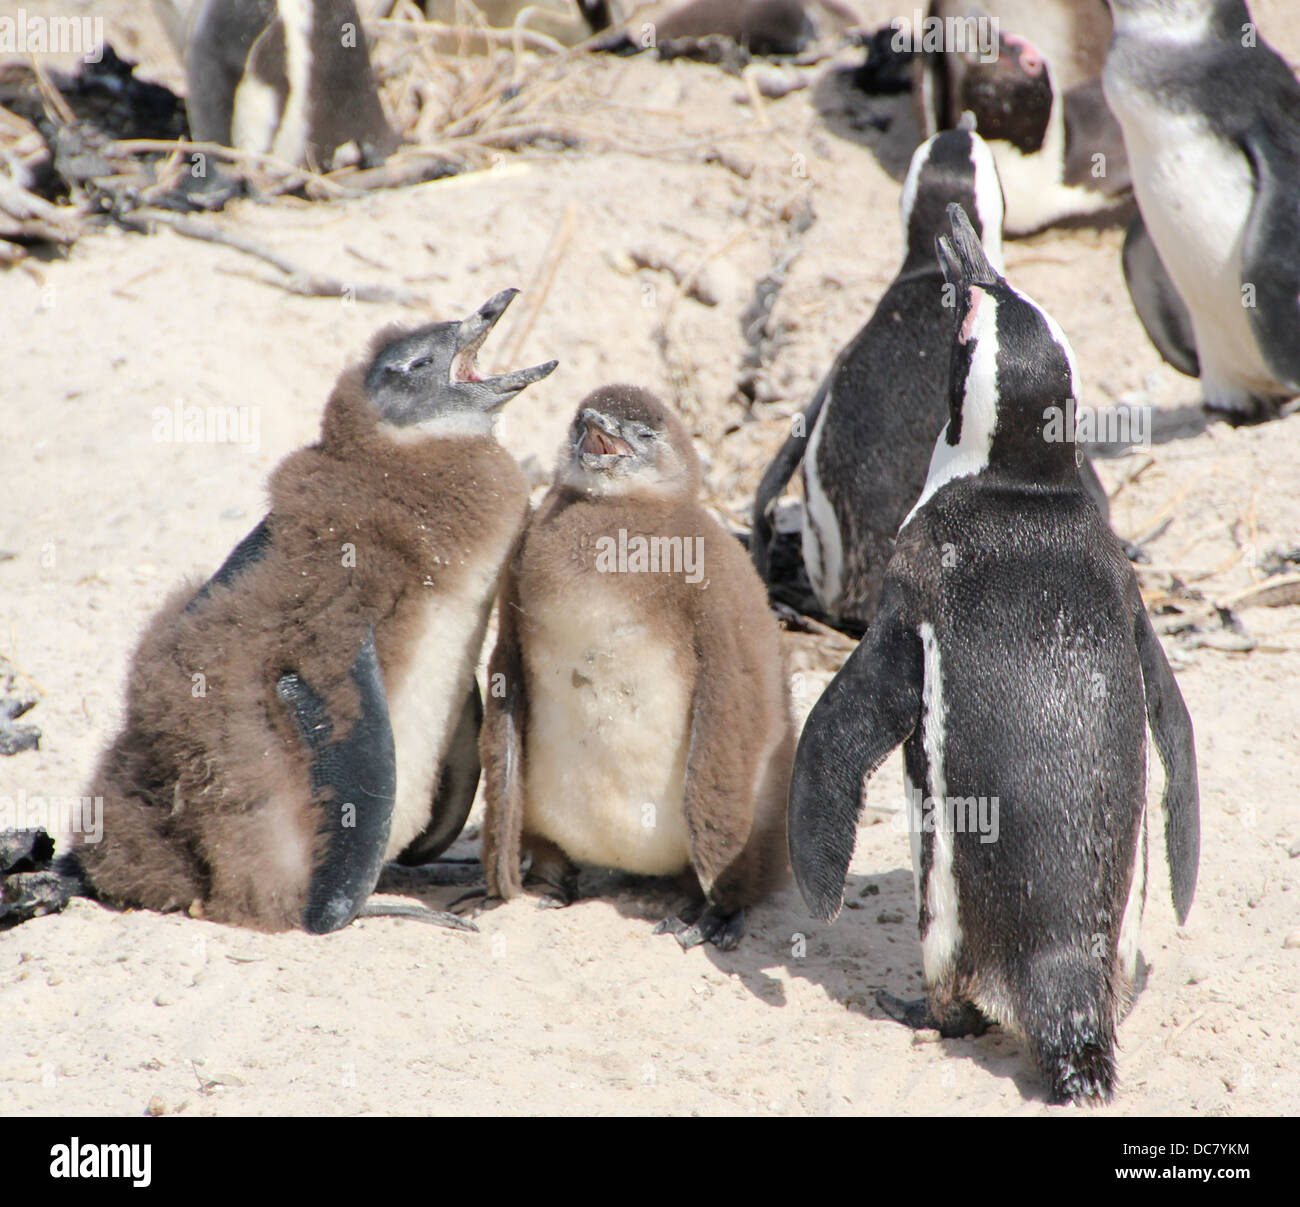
1013 657
311 711
289 78
1211 120
639 713
864 443
1030 72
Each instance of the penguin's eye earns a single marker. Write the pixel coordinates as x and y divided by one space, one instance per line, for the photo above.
421 362
645 434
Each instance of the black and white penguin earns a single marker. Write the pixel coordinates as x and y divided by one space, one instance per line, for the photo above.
289 78
1029 70
864 443
1211 120
1013 658
311 711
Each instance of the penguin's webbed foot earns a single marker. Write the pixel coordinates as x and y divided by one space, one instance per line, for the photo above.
473 902
705 923
963 1019
553 893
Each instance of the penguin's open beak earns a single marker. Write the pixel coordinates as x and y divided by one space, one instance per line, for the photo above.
470 336
599 446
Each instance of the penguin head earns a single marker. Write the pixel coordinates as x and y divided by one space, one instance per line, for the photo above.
953 165
1012 376
427 379
625 441
1012 96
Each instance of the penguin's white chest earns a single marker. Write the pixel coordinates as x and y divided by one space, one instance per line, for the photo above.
607 737
425 703
1196 193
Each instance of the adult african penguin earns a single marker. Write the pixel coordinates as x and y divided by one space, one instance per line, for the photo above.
1211 119
865 440
1030 72
639 714
311 711
1012 656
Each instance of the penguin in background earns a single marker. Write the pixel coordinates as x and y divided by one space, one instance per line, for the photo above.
759 27
1012 657
569 22
1211 119
863 444
639 717
311 711
1035 89
288 78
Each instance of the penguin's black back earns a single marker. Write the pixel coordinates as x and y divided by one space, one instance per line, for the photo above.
887 405
1032 604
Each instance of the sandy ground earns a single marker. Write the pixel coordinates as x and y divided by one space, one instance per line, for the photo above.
583 1010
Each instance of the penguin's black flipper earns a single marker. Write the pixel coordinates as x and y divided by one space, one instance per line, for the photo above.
361 769
1158 303
1171 726
1268 271
457 782
775 477
871 706
248 552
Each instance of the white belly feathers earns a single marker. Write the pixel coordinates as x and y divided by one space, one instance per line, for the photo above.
424 704
1199 232
608 736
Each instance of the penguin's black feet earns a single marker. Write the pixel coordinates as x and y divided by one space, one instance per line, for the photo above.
551 875
963 1019
473 902
31 883
553 894
1257 411
705 923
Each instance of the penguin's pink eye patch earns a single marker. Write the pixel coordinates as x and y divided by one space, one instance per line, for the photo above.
1031 58
968 323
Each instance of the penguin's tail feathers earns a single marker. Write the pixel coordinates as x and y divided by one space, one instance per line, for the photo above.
1068 1016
